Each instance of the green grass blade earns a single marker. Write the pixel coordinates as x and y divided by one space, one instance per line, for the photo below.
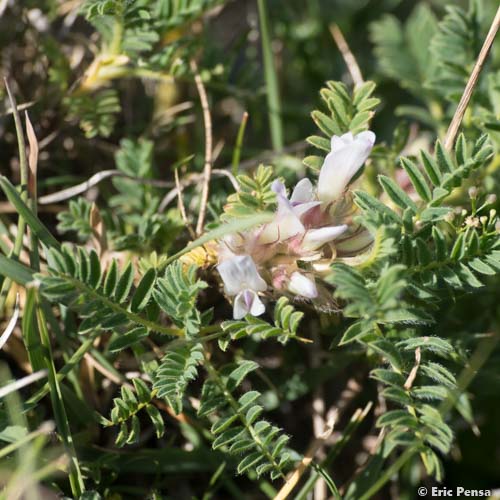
72 363
273 96
31 336
15 271
61 418
41 232
235 163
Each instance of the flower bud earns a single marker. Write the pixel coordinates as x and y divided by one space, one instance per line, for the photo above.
302 285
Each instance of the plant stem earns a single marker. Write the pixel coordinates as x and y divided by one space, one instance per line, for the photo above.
115 46
273 97
61 418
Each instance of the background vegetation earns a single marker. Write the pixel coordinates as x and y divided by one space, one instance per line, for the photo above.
143 386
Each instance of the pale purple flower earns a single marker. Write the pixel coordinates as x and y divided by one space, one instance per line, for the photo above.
346 157
242 279
247 302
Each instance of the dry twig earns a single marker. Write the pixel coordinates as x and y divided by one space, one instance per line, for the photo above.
306 461
414 370
207 170
452 131
350 60
193 179
72 191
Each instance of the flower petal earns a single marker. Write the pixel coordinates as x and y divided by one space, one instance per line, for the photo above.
303 192
316 238
339 142
302 285
240 273
257 308
279 188
246 302
355 243
341 164
303 208
286 223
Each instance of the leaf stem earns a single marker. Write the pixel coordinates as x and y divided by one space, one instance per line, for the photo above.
133 317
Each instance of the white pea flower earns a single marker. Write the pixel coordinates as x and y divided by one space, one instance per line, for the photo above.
302 285
346 157
286 223
306 233
241 279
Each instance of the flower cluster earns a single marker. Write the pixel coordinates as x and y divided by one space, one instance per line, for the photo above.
310 228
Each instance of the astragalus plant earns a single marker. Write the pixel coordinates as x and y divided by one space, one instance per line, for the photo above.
307 327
